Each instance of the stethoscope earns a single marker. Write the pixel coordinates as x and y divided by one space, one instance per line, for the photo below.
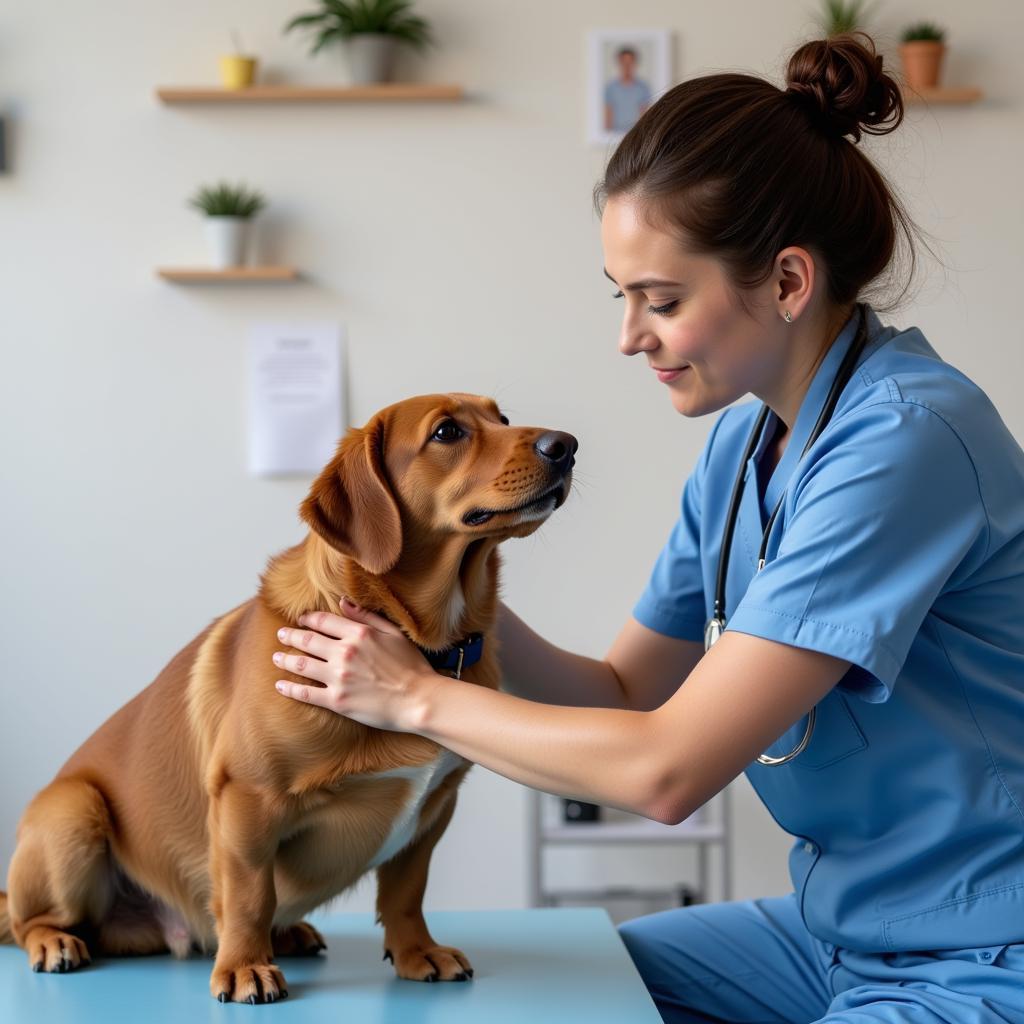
716 624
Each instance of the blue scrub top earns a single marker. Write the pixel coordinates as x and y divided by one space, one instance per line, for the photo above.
899 547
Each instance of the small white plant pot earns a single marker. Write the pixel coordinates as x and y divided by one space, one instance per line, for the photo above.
228 238
370 57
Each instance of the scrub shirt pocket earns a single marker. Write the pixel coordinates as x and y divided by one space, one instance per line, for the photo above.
836 735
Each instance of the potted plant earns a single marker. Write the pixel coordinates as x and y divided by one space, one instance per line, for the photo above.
237 69
840 16
921 51
229 210
369 31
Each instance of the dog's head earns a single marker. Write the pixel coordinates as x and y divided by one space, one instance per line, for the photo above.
437 465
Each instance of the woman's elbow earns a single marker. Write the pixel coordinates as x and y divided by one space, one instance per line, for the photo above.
668 814
667 803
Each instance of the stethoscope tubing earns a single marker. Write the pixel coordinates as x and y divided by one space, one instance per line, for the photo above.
716 624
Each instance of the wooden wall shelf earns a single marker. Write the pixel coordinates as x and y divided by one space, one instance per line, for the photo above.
961 94
395 91
189 274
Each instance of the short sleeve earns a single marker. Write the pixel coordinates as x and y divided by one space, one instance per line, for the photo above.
887 515
673 601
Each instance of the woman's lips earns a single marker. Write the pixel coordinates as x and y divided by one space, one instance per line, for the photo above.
669 375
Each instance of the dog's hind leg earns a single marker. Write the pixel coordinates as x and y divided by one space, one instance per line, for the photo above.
300 939
401 883
59 879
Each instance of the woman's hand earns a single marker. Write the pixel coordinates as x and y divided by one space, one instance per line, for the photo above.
368 670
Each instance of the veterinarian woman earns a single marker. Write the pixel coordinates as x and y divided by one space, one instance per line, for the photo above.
870 574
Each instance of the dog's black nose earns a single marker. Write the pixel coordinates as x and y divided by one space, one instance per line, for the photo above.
558 448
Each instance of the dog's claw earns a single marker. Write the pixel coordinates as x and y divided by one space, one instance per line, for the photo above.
388 956
461 976
37 966
222 998
252 999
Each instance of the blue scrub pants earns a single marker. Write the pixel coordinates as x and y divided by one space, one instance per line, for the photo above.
754 962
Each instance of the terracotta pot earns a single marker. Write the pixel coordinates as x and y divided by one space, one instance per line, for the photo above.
922 63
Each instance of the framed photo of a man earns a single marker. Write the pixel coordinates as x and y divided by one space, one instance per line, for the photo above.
627 70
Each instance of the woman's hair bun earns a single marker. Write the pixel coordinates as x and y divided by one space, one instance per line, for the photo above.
839 81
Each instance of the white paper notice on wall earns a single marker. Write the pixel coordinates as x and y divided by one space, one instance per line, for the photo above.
296 414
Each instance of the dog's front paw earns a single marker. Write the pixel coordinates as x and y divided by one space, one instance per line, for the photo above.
55 951
250 983
300 939
430 963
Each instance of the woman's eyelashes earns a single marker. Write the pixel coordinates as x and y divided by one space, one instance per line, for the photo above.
662 310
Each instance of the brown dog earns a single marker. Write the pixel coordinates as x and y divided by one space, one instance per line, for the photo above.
209 811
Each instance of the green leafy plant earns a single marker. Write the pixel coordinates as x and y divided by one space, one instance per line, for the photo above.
338 20
839 16
225 200
923 32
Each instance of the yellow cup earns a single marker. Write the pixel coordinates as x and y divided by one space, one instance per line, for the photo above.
236 71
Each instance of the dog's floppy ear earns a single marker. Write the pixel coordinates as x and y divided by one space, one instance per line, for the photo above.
351 505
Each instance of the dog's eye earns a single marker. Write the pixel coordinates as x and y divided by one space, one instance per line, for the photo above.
504 419
448 431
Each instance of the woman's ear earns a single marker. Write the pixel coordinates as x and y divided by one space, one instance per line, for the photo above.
350 504
794 277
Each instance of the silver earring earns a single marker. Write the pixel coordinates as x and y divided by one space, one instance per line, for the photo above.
788 317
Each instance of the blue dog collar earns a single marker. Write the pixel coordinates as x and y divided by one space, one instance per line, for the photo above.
458 657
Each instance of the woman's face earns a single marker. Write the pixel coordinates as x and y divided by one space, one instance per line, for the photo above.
681 313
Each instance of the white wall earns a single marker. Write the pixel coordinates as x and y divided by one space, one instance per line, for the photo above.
457 243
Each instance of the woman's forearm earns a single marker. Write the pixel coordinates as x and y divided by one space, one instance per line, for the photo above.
602 755
535 669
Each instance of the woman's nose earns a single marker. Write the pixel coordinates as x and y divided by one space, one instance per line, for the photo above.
635 337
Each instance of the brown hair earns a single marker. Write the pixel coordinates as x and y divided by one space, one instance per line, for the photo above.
740 169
